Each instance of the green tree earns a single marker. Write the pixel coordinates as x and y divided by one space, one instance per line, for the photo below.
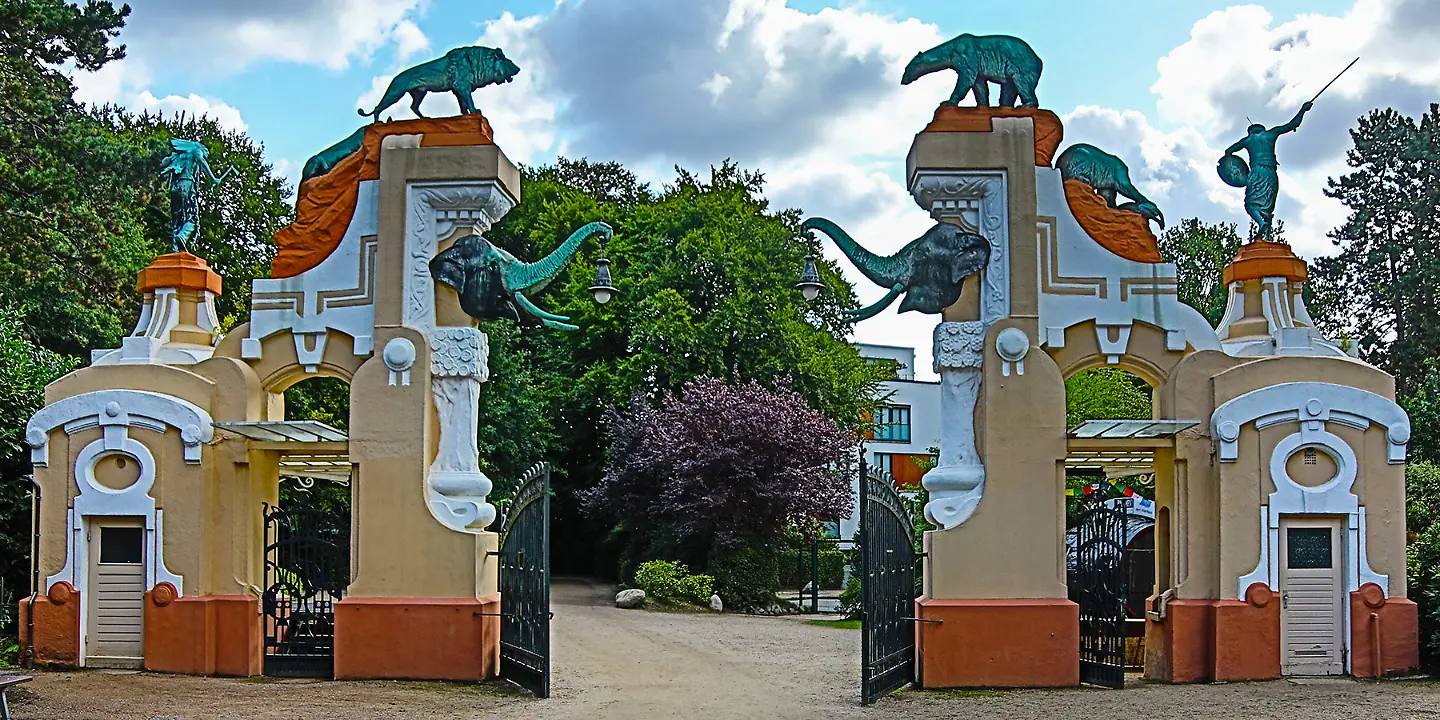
515 431
25 370
1379 287
707 272
1200 252
1105 394
71 225
1422 523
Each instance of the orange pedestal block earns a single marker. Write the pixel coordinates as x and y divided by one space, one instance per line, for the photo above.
417 638
1048 130
998 643
1247 637
179 270
203 635
57 626
1180 648
1384 633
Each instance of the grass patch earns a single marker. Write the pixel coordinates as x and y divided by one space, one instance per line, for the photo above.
839 624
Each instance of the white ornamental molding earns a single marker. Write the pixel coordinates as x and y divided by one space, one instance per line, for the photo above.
979 201
959 345
957 483
399 357
116 412
433 212
1012 345
1312 406
456 489
459 352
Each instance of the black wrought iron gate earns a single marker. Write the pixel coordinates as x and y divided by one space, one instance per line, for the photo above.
1097 585
887 584
525 585
307 568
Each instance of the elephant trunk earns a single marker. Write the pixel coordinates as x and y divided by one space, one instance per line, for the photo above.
535 276
881 270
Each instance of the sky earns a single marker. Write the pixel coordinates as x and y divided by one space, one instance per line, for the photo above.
807 91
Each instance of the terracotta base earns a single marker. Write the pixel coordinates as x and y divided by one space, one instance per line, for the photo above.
1247 639
1180 648
998 643
206 635
180 270
57 627
1397 622
417 638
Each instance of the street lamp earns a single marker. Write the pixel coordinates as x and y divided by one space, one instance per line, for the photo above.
603 289
810 285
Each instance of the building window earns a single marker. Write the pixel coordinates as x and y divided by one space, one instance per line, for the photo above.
892 423
904 469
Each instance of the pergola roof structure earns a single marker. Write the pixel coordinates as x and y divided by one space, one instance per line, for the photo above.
309 449
1121 447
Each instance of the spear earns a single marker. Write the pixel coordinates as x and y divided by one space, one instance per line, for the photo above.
1332 80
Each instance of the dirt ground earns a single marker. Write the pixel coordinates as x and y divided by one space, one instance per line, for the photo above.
613 663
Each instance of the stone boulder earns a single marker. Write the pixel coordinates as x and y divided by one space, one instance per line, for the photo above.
715 604
632 598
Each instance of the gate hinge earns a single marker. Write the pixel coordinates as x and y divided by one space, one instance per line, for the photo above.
924 620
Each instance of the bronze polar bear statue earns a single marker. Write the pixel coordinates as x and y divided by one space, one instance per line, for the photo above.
980 60
461 71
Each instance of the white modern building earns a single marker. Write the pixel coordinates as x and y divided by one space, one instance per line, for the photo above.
907 425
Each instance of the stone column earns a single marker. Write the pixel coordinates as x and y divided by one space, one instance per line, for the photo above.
455 486
957 483
975 201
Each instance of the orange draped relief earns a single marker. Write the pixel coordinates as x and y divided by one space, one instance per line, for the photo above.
1120 231
326 203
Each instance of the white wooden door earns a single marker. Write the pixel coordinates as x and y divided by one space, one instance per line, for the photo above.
115 627
1312 623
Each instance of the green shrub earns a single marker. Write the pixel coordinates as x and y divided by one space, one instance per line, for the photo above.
745 575
1422 494
668 581
850 598
1424 557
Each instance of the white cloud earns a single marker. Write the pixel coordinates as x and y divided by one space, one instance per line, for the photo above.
221 37
715 86
227 116
224 36
1238 65
409 40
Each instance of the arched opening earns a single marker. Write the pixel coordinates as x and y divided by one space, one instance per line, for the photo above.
1110 514
308 552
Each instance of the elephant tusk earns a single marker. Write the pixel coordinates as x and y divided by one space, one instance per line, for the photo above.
531 308
559 325
874 309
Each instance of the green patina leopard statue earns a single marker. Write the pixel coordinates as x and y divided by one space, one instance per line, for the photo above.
980 60
461 71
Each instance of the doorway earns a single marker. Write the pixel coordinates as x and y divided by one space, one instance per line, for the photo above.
115 602
1312 621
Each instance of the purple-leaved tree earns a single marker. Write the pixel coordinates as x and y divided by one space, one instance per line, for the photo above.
725 463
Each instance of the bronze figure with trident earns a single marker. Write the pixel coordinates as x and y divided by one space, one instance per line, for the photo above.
1261 178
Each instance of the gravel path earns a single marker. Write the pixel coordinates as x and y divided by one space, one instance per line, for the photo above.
613 663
